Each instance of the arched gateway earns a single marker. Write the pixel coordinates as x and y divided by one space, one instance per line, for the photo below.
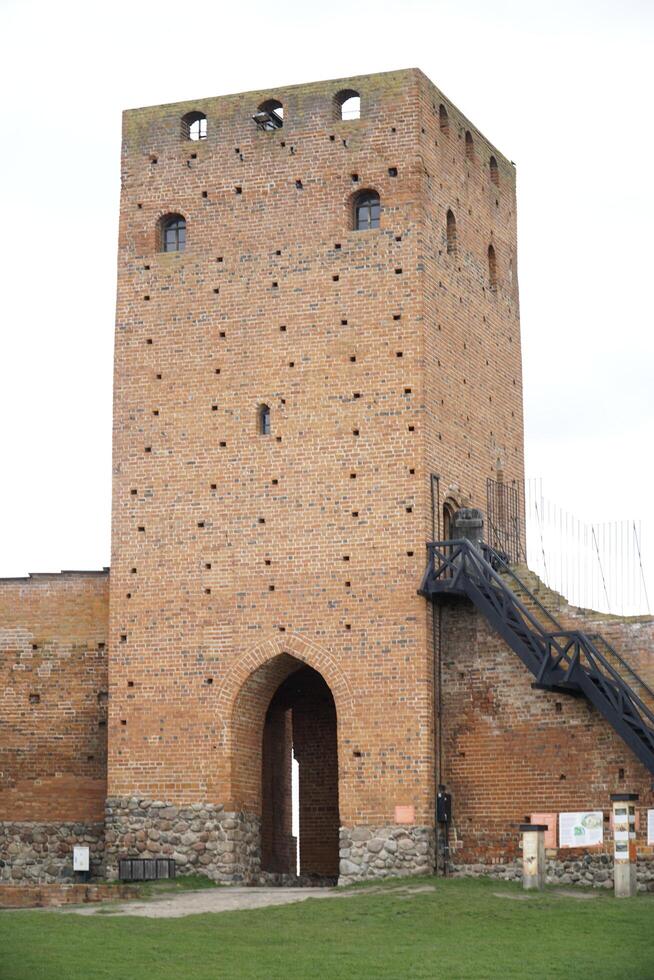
277 705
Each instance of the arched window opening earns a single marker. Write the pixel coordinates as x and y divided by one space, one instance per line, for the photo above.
451 232
173 233
367 209
194 126
494 172
470 146
264 420
449 511
270 115
348 104
443 119
492 267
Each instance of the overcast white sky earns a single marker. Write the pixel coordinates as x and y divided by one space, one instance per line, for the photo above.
564 89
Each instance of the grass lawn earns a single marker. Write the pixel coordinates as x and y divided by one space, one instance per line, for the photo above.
462 929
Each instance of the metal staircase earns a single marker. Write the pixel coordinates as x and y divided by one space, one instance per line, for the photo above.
570 661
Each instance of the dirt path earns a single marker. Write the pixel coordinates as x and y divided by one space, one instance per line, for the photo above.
229 900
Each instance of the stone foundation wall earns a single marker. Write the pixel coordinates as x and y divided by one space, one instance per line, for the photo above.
382 852
592 870
203 838
42 853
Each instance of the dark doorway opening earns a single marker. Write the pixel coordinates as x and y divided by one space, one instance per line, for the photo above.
301 724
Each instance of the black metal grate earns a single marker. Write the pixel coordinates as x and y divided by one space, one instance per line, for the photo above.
503 528
145 869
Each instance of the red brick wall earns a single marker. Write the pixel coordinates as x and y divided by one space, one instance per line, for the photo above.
509 750
225 542
53 689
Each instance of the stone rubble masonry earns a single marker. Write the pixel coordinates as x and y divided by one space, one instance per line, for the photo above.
43 852
382 852
589 870
202 838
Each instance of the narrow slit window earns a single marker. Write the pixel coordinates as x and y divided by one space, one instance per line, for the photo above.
494 171
367 208
264 420
492 267
451 232
470 146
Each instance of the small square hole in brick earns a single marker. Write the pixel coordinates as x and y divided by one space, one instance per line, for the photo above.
209 680
278 251
409 554
398 272
348 626
397 316
155 411
398 238
278 438
158 377
332 138
128 595
133 492
412 428
214 408
271 588
194 156
214 486
147 268
141 529
133 571
282 328
261 520
353 476
123 637
239 190
205 193
335 278
149 340
353 358
148 449
355 513
123 721
357 394
222 334
291 364
35 698
344 323
207 591
216 289
140 207
217 371
346 557
207 565
407 391
298 184
219 258
355 432
275 285
399 353
200 523
282 629
266 561
409 510
392 171
274 481
146 298
355 178
337 246
348 584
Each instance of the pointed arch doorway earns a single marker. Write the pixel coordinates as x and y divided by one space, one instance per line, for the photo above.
285 711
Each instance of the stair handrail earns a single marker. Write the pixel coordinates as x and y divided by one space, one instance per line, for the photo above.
509 571
561 653
624 663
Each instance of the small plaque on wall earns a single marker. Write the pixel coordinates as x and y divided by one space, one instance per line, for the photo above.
80 859
549 819
405 814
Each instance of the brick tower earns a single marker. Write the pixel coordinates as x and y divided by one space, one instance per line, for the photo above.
317 316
